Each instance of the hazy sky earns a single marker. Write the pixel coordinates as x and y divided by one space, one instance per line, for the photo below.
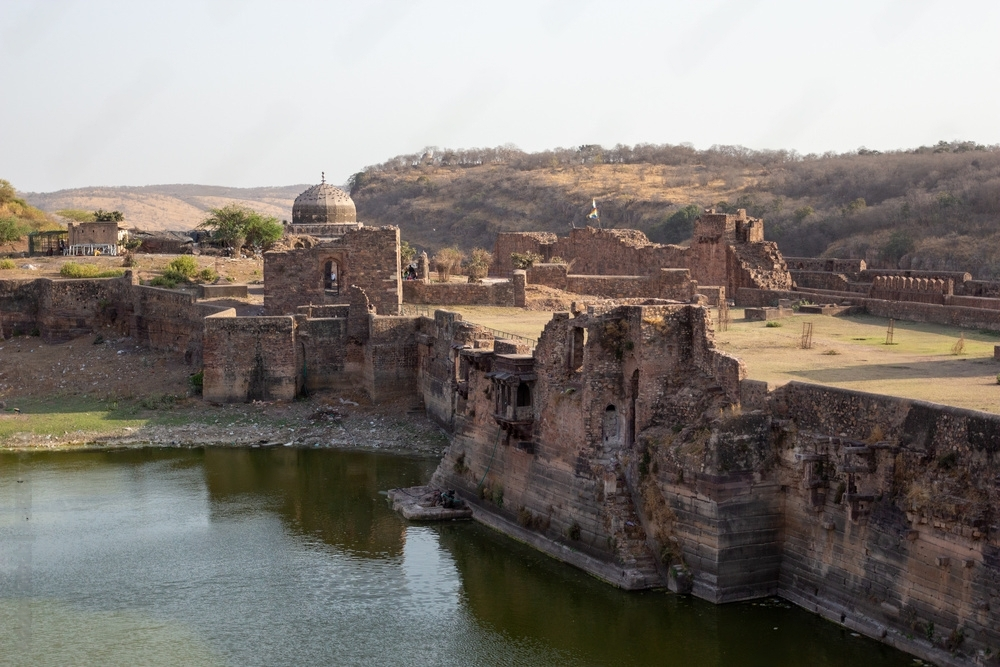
245 93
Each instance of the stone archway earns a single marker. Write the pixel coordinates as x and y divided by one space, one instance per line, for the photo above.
611 426
333 276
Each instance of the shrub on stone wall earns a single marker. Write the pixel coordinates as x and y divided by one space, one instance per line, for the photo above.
525 260
447 261
478 265
7 264
183 269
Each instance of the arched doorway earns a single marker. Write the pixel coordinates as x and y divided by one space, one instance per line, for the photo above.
611 427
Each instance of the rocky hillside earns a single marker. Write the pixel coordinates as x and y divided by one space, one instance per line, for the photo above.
168 207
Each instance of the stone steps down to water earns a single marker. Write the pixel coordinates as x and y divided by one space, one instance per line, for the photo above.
424 503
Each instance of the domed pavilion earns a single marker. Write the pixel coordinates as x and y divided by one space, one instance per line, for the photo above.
323 211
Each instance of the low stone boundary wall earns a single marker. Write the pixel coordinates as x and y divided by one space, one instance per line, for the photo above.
674 284
458 294
952 315
222 291
820 280
824 264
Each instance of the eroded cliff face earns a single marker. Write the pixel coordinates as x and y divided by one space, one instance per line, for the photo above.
628 446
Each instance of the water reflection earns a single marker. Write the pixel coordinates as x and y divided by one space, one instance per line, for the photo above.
333 498
272 557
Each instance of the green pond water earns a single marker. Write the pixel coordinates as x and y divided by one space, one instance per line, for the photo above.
292 557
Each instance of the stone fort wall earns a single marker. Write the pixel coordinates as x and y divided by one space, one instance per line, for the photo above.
58 310
366 257
727 250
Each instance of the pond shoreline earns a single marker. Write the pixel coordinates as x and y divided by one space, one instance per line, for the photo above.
323 422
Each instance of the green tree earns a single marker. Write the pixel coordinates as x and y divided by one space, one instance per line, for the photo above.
678 227
7 192
900 243
406 253
237 226
11 231
525 260
478 265
100 215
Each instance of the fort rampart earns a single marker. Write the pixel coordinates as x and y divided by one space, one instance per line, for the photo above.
626 444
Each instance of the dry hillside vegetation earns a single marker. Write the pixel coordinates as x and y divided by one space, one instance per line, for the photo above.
169 207
933 207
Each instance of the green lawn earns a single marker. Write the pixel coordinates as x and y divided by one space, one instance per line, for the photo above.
59 416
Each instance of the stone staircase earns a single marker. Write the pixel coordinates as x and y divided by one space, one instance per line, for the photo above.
631 545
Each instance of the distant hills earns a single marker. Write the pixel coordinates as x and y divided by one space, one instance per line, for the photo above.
932 207
167 207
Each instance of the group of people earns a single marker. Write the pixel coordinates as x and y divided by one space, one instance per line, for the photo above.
410 273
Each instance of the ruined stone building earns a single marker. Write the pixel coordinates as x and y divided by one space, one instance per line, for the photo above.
623 442
630 447
340 252
727 250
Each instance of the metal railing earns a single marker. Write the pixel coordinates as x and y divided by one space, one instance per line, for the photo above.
417 310
497 333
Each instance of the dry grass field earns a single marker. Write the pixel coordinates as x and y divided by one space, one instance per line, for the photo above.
848 352
146 266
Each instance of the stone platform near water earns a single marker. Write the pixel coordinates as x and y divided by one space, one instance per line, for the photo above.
422 503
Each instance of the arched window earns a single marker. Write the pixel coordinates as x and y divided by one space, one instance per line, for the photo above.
523 396
331 277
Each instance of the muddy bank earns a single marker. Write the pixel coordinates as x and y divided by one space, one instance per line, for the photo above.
322 422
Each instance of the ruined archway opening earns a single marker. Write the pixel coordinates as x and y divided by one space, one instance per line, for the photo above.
523 396
332 277
610 425
577 345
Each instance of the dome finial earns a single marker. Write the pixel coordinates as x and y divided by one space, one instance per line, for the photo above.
322 177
